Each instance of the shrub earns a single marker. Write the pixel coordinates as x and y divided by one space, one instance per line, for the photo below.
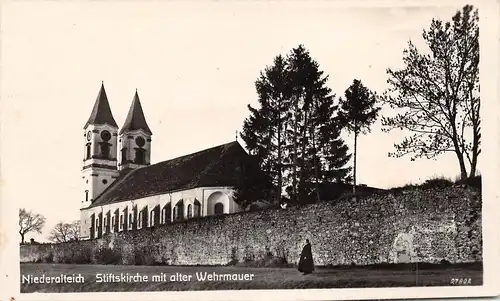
437 183
473 182
234 257
268 262
268 252
66 259
444 262
144 256
48 258
82 256
107 256
248 254
277 262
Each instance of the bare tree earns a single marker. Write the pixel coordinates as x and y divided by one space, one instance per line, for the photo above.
439 93
30 222
64 232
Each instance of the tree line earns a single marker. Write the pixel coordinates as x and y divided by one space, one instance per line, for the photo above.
32 222
295 131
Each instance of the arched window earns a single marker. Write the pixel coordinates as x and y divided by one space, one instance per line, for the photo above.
112 228
197 208
152 218
216 203
190 211
219 209
86 195
139 221
179 211
166 214
88 152
121 222
130 220
140 156
105 222
108 222
135 216
105 147
124 155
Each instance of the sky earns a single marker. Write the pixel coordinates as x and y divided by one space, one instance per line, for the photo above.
194 65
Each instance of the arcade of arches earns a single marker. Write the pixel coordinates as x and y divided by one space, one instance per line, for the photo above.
139 216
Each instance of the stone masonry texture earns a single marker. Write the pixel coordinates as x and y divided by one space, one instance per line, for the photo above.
417 225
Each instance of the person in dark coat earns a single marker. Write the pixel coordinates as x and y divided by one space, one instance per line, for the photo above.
306 264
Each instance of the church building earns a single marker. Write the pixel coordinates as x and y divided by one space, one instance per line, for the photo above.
123 191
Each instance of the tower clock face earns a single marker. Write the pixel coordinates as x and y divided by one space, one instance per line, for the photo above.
89 135
105 135
140 141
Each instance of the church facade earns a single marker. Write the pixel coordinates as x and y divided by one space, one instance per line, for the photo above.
123 191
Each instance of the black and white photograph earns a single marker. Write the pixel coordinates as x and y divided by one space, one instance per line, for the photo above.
249 148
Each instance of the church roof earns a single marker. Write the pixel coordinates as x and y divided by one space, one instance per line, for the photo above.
216 166
101 113
135 118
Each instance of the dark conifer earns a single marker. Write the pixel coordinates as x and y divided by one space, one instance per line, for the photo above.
293 133
358 111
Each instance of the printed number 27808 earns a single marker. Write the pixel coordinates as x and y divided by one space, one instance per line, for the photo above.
461 281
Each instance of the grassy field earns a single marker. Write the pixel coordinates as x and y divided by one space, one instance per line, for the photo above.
264 278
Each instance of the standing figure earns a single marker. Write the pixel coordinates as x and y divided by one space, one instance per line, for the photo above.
306 264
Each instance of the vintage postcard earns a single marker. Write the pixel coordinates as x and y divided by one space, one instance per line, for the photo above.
249 150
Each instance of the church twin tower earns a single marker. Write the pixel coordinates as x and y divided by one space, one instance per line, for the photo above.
109 152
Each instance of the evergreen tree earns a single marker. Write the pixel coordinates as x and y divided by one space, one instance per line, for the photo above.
334 152
299 113
253 184
320 153
263 131
294 134
358 111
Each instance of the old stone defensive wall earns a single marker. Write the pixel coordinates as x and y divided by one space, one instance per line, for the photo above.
417 225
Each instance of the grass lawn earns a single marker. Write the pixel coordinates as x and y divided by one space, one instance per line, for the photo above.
264 278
